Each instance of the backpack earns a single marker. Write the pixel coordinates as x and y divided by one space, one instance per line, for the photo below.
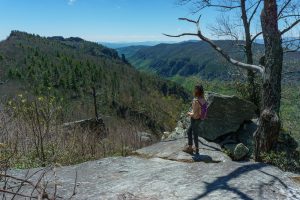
204 108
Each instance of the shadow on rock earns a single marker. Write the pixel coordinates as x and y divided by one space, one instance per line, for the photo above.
222 183
203 158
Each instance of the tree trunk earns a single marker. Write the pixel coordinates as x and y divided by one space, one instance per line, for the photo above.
95 102
253 96
268 131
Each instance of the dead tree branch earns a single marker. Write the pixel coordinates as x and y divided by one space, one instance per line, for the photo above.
254 11
285 5
199 34
199 5
255 36
295 23
37 187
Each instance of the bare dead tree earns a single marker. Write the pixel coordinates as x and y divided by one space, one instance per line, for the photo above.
245 25
229 27
270 69
256 68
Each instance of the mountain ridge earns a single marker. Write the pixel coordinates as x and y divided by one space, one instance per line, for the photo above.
193 58
71 66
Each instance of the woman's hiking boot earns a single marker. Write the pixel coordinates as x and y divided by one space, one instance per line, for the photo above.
188 149
197 151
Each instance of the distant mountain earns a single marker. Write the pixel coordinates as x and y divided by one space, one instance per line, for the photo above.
294 40
72 66
183 59
127 44
193 58
130 51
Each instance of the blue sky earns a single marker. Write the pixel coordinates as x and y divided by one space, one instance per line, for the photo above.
97 20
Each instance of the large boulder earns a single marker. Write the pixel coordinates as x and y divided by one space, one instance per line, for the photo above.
225 115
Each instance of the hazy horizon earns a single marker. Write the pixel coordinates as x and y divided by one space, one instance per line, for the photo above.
102 20
96 20
118 21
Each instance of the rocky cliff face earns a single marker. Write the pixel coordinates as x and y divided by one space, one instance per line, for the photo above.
163 171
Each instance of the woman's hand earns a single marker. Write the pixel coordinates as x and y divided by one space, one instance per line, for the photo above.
189 114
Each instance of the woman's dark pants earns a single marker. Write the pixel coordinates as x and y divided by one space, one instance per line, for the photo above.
193 132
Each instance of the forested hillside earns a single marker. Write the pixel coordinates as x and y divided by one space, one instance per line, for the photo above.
183 59
197 58
70 68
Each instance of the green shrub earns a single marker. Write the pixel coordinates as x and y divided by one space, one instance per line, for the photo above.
284 160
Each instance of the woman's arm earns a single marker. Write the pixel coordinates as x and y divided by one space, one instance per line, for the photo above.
196 110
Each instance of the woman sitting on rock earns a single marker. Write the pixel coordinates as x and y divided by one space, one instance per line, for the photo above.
198 114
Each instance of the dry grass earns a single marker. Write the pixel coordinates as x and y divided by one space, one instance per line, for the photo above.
34 143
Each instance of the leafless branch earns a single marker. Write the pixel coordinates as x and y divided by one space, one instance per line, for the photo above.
225 28
181 35
75 185
21 185
199 34
199 5
17 194
292 45
254 37
289 16
254 11
223 6
291 50
290 27
291 40
284 7
17 179
38 190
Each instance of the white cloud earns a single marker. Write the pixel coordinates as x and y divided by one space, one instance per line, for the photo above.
71 2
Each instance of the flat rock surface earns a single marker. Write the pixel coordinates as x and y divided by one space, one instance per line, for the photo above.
160 175
172 150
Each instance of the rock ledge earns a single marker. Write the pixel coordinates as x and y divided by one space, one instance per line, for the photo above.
154 178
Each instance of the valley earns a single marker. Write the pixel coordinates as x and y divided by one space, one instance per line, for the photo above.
196 58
